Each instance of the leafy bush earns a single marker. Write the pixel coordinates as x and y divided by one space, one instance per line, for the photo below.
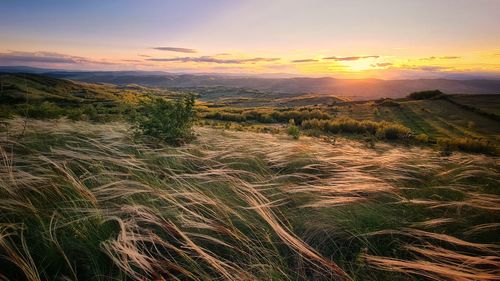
424 95
168 120
293 130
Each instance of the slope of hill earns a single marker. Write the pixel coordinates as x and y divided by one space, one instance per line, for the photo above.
17 87
86 201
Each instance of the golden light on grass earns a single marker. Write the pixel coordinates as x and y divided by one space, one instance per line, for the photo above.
237 205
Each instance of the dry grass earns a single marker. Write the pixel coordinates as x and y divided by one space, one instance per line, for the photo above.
81 201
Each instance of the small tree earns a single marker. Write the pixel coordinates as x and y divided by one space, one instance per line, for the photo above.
293 130
167 120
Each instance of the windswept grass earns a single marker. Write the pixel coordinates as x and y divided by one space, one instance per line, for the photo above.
89 202
386 130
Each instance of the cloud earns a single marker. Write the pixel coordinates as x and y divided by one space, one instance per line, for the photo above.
37 57
208 59
305 60
350 58
175 49
432 68
441 58
144 56
382 64
132 60
428 68
15 57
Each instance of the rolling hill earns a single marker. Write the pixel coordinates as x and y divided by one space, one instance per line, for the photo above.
355 89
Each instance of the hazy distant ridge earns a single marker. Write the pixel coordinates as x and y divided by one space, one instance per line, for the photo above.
356 88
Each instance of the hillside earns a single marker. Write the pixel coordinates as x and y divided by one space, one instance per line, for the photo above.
90 201
450 117
367 190
17 87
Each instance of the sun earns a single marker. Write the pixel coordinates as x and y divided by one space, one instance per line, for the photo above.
358 65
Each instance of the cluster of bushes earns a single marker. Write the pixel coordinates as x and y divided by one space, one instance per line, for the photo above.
226 116
424 95
386 130
281 116
262 117
299 116
468 145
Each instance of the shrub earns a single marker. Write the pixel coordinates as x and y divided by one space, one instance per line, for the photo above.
384 129
299 116
225 116
170 121
468 145
387 102
282 115
424 95
45 110
422 138
293 130
91 113
392 131
74 114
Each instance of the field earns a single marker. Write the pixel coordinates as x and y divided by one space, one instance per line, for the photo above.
88 201
85 197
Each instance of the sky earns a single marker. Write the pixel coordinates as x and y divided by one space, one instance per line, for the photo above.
388 39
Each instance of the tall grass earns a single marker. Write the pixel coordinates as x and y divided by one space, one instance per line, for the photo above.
468 145
88 202
385 130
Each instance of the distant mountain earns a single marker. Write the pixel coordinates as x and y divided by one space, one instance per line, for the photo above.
23 69
356 89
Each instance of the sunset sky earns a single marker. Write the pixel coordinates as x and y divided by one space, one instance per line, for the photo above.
349 39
